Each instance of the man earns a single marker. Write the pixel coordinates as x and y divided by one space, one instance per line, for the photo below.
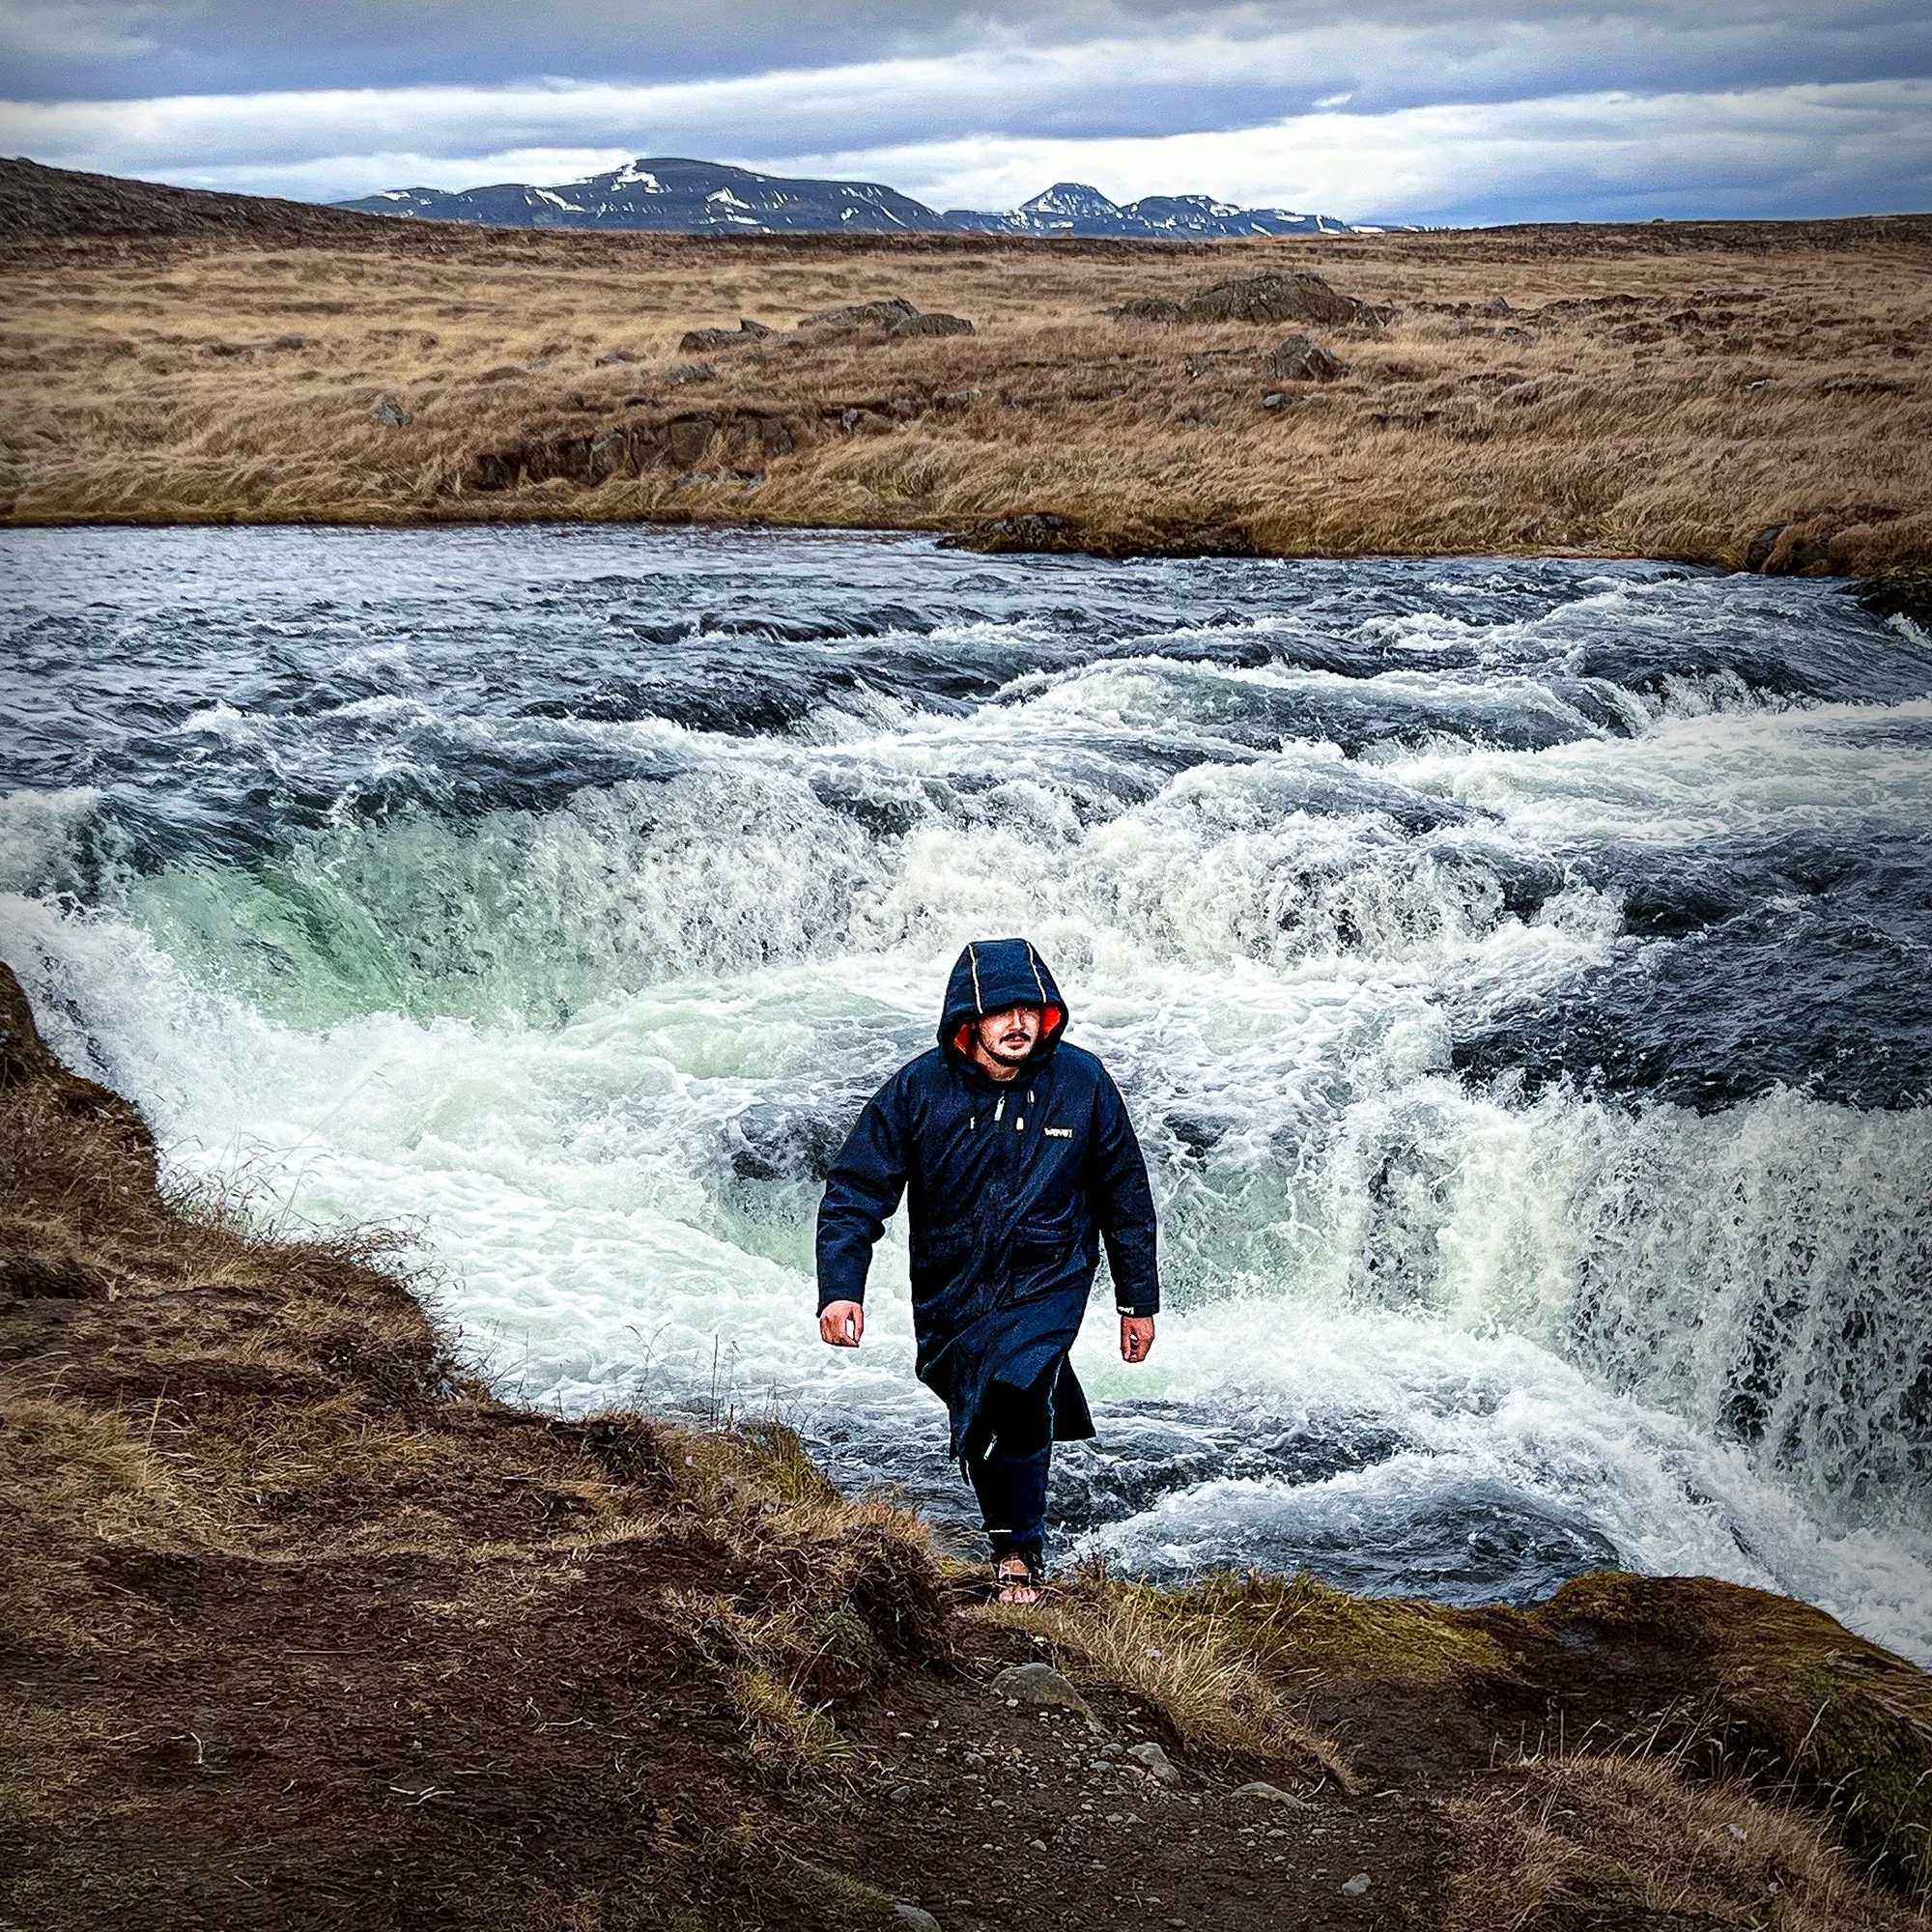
1018 1158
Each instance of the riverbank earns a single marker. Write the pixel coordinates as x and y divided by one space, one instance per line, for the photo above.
1742 394
307 1629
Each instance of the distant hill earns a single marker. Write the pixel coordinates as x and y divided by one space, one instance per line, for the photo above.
672 195
40 203
1071 207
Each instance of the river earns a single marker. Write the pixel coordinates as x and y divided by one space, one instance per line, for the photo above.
1520 971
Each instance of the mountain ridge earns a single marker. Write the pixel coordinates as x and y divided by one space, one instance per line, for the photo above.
674 194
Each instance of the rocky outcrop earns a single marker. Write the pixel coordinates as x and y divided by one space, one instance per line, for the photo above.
701 341
894 314
1297 359
930 322
880 314
679 443
1801 545
1260 299
1048 533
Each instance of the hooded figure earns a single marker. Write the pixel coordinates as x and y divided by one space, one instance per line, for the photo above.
1013 1184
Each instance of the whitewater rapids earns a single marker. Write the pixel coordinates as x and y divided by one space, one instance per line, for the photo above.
1521 973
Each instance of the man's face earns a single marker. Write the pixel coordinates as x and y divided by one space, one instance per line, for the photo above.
1011 1035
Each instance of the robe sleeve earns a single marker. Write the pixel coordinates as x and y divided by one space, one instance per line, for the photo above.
862 1192
1121 1203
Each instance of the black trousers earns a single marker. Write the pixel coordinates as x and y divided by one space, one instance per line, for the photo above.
1008 1470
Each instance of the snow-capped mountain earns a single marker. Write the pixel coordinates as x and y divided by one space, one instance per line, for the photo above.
1072 207
685 197
670 194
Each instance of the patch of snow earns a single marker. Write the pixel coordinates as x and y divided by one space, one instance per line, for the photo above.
729 199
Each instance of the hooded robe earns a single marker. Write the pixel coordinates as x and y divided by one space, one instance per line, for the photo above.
1011 1188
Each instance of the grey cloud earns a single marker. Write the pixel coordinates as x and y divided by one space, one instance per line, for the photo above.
183 46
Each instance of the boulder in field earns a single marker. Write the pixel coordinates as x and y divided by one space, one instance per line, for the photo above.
880 314
1297 359
391 413
690 372
696 340
1147 308
1272 298
930 324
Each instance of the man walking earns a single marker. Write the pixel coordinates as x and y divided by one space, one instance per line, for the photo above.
1017 1159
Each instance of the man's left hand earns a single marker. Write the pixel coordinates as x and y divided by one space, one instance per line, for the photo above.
1136 1337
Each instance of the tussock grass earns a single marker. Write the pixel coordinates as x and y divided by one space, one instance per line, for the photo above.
1188 1658
1634 396
1577 1840
788 1736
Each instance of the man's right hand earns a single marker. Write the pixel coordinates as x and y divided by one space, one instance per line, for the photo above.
843 1324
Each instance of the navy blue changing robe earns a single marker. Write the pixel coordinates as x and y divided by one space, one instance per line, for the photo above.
1011 1188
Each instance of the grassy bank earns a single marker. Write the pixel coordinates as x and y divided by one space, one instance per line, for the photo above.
302 1628
1686 390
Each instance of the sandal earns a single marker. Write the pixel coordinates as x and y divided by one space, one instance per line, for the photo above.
1020 1580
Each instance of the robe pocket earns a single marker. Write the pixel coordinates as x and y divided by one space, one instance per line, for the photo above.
1046 1250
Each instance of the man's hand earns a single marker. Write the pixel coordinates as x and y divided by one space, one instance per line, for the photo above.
1136 1337
843 1324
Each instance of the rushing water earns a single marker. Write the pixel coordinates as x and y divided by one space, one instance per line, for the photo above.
1521 973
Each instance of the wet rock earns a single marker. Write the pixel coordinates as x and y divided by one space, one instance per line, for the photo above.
1902 596
389 411
1264 1792
743 336
1043 532
1042 1685
1297 359
1047 533
930 324
880 314
1155 1761
690 372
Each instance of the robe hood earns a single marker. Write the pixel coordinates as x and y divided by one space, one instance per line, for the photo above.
992 974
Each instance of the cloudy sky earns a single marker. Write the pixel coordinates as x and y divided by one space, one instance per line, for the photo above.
1422 110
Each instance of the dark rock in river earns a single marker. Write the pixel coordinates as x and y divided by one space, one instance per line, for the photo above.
1047 533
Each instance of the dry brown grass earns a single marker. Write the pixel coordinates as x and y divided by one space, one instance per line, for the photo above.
1659 398
1192 1657
1577 1842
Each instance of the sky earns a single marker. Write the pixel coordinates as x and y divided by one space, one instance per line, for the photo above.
1433 111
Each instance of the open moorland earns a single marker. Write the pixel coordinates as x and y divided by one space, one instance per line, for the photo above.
300 1627
1750 394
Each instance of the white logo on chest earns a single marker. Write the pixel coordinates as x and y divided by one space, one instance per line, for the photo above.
1058 1133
